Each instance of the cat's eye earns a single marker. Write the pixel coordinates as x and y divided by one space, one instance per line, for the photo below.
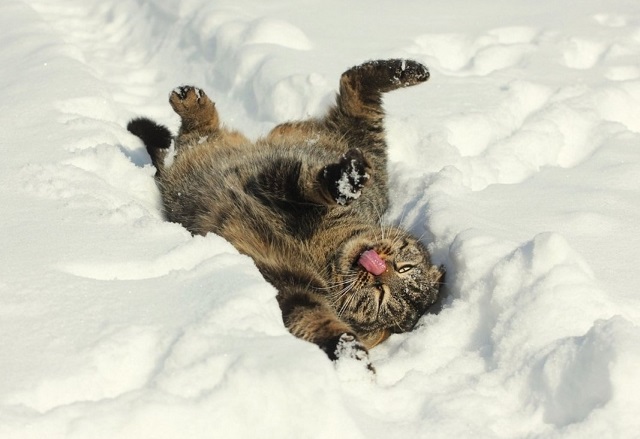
404 268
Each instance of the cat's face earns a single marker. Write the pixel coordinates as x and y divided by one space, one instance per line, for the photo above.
387 289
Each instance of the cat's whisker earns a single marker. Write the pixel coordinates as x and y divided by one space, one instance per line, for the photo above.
397 324
346 285
419 238
393 234
378 308
401 223
347 302
343 293
382 231
397 235
380 215
338 298
335 285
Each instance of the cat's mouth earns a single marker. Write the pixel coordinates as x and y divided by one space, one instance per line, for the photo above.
368 258
365 254
371 261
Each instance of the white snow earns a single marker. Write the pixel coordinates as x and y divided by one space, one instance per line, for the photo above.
517 163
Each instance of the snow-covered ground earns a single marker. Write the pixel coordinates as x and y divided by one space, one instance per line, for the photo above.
518 162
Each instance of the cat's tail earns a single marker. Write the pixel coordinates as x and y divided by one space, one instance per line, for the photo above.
156 138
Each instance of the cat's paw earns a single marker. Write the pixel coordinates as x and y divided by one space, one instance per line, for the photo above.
344 180
347 347
387 75
406 72
188 100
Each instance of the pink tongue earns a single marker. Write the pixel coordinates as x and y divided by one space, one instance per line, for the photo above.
371 262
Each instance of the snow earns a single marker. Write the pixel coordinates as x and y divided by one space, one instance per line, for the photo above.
517 163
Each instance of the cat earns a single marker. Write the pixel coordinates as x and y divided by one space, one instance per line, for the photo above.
306 203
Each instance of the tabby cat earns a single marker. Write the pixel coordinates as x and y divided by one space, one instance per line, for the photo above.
306 203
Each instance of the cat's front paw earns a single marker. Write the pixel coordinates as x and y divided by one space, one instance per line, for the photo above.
344 180
348 347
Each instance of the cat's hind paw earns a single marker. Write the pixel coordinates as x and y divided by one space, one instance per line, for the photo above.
188 98
407 72
194 107
344 180
387 75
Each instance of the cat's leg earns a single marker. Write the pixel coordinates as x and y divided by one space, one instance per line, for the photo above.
359 102
358 114
200 119
307 316
358 106
306 312
355 122
197 112
336 183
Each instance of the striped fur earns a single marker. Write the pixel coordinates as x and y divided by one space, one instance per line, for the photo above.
304 202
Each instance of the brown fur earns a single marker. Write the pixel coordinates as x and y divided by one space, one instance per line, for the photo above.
305 202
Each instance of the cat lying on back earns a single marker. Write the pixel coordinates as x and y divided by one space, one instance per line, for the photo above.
305 202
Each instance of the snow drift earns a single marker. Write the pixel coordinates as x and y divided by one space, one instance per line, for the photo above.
517 164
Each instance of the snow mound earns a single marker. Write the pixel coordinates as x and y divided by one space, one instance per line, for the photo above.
517 164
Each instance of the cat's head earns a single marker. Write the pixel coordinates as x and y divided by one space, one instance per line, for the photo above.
383 281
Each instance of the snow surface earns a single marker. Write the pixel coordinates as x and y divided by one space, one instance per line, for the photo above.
518 163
